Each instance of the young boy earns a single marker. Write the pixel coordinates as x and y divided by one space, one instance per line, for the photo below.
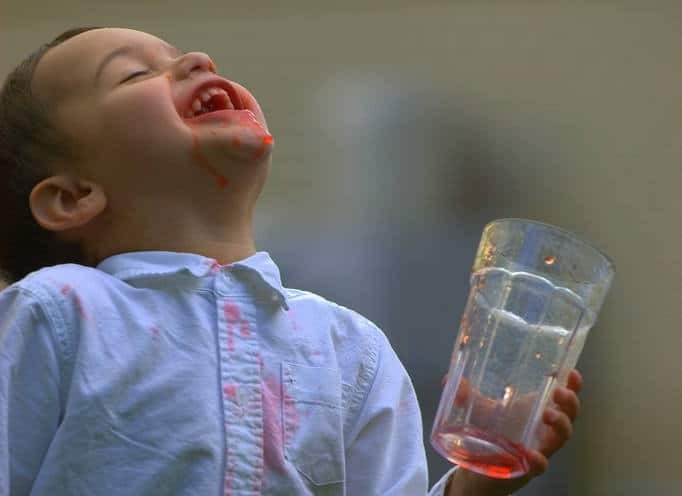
159 353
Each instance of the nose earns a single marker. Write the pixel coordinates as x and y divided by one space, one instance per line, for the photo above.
190 63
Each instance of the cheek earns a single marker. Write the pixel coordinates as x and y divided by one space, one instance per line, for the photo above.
140 119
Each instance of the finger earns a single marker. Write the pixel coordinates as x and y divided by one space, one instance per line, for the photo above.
568 402
463 393
538 463
551 442
575 381
560 424
553 437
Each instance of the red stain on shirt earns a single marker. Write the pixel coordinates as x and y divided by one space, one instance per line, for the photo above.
230 390
232 316
229 474
155 332
280 420
202 161
79 304
273 441
67 289
232 313
244 329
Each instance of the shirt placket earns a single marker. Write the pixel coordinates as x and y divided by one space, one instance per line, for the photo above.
240 373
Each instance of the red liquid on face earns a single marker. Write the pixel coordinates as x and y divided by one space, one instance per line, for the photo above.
482 452
201 160
267 141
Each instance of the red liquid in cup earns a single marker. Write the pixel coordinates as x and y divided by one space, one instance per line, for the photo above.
482 452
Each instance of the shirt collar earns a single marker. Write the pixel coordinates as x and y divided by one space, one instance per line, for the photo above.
159 264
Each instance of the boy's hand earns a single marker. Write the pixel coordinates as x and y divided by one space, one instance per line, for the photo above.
559 418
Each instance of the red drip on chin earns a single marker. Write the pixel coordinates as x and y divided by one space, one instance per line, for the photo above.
201 160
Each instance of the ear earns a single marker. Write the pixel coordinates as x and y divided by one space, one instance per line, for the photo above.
60 203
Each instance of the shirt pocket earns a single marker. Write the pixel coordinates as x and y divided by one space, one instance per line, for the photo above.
313 429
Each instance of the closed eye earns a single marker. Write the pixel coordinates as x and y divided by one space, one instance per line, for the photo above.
134 75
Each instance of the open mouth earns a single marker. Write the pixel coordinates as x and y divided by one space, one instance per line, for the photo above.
213 96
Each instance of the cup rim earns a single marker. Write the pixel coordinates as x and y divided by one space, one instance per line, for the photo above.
609 261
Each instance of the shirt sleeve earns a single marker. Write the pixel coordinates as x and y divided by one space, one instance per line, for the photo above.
385 451
439 487
29 389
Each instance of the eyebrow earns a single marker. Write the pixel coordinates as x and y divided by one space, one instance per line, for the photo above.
127 50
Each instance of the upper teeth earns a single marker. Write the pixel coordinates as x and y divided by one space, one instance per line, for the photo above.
198 104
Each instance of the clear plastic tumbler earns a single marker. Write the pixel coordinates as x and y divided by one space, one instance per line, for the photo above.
535 292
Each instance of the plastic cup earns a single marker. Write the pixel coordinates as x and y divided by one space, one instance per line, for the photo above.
535 293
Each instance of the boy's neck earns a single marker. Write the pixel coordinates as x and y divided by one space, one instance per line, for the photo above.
224 253
228 241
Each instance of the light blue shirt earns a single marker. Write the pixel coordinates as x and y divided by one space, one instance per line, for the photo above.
162 373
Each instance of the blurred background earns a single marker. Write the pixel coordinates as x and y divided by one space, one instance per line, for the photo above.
403 127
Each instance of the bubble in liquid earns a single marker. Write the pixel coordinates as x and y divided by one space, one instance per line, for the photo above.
550 259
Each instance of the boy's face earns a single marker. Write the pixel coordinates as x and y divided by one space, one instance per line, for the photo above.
149 120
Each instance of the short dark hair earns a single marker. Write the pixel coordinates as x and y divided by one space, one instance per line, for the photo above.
29 144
